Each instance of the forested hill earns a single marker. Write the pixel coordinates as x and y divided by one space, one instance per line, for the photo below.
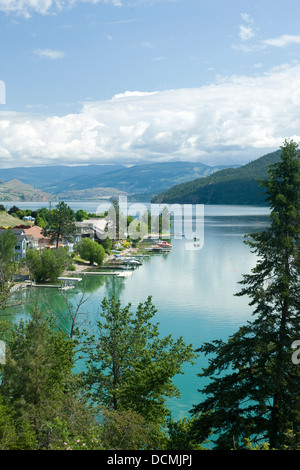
229 186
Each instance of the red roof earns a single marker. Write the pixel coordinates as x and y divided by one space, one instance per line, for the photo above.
34 230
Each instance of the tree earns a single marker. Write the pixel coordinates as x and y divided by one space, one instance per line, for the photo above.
13 210
127 430
38 388
91 251
7 264
254 392
47 265
60 224
129 366
81 215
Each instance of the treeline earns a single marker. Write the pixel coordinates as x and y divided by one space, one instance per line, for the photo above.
229 186
42 215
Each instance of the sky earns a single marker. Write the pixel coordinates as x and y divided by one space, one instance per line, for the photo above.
142 81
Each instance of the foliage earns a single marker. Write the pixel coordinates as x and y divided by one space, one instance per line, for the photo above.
7 264
181 435
91 251
60 224
13 210
254 391
130 367
81 215
47 265
227 186
124 430
37 389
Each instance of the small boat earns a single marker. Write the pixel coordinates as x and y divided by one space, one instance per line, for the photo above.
164 244
131 261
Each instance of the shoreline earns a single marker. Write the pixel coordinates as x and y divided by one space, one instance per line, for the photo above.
82 267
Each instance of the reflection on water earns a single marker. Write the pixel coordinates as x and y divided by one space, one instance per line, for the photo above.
193 290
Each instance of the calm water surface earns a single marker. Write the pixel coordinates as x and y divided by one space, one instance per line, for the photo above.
193 290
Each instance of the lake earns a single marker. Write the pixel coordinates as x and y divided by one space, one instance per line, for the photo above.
193 290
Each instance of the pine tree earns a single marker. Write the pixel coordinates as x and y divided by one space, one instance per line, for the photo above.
130 367
256 394
61 224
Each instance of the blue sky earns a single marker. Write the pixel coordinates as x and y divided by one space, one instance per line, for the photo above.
133 81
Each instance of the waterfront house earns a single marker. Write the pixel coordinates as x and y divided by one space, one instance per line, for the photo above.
83 230
22 241
35 237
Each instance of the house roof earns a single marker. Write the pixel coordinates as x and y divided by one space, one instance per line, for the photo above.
98 224
16 231
34 230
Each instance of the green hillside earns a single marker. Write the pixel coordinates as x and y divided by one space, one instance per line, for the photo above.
7 220
229 186
16 190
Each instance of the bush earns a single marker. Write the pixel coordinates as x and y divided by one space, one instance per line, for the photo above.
91 251
47 265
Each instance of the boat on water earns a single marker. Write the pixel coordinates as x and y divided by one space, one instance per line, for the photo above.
162 246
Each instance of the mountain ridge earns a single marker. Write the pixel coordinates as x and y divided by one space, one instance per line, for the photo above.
228 186
94 181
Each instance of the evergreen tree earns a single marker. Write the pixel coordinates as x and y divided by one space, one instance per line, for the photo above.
130 367
60 224
254 391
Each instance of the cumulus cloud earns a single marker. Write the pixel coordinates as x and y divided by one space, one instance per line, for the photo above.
233 120
283 41
246 33
49 54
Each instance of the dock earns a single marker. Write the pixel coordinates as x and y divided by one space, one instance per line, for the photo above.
108 273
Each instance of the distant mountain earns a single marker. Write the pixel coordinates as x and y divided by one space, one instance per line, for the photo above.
49 178
147 179
16 190
138 182
228 186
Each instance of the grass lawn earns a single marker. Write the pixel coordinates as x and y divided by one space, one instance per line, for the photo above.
7 220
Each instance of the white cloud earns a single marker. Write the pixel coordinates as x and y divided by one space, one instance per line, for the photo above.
247 18
49 54
283 41
235 119
246 33
45 7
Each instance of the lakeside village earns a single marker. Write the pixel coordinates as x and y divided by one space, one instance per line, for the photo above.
84 244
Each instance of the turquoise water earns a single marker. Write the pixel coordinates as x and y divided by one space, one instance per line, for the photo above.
193 290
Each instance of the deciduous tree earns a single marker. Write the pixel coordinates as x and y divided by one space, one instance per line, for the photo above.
91 251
